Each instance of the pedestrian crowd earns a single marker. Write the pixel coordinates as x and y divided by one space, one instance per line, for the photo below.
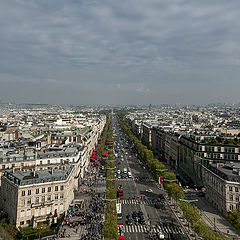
86 218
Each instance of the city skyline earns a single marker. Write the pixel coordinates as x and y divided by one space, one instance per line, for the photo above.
128 52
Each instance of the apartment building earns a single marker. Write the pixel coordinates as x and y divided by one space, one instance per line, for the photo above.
147 131
195 153
223 186
35 197
46 158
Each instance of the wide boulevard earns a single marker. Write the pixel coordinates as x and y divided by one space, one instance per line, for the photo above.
142 196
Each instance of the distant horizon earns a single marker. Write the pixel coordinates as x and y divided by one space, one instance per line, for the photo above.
101 105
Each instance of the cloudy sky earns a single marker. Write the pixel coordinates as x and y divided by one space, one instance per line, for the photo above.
120 52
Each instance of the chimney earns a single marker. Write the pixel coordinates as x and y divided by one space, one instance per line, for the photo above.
15 169
220 165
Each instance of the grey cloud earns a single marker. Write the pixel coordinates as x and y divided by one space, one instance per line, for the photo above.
95 44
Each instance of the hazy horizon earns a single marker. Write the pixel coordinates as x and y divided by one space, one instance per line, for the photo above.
119 52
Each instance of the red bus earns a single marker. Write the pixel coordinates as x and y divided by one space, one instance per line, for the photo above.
119 191
120 231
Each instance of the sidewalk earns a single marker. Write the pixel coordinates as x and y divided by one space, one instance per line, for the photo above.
210 215
214 218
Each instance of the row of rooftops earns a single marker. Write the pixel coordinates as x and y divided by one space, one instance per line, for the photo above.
198 124
9 155
58 173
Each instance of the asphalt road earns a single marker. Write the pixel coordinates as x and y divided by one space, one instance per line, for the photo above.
157 220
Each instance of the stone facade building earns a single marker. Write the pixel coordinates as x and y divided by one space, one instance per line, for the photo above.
31 198
223 186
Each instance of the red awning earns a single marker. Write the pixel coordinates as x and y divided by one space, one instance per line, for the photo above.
98 162
105 154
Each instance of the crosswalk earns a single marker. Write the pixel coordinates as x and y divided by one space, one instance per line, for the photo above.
141 201
135 178
124 179
156 228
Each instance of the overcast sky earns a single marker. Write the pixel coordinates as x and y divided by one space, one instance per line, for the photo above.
120 52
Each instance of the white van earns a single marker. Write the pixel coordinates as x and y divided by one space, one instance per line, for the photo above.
129 174
125 170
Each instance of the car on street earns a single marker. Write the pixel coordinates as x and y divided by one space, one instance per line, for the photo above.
160 196
142 220
149 190
160 235
129 220
140 214
135 216
157 204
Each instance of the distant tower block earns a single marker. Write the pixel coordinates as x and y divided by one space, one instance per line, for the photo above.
150 107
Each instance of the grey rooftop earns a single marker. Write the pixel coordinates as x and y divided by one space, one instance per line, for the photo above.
228 171
58 173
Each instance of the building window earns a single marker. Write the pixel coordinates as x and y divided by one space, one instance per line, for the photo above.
231 197
49 198
61 188
28 213
29 201
236 189
48 161
49 189
23 193
237 198
29 192
230 188
231 207
28 222
37 191
43 199
56 188
22 202
37 200
43 190
22 223
56 196
3 166
40 162
61 195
